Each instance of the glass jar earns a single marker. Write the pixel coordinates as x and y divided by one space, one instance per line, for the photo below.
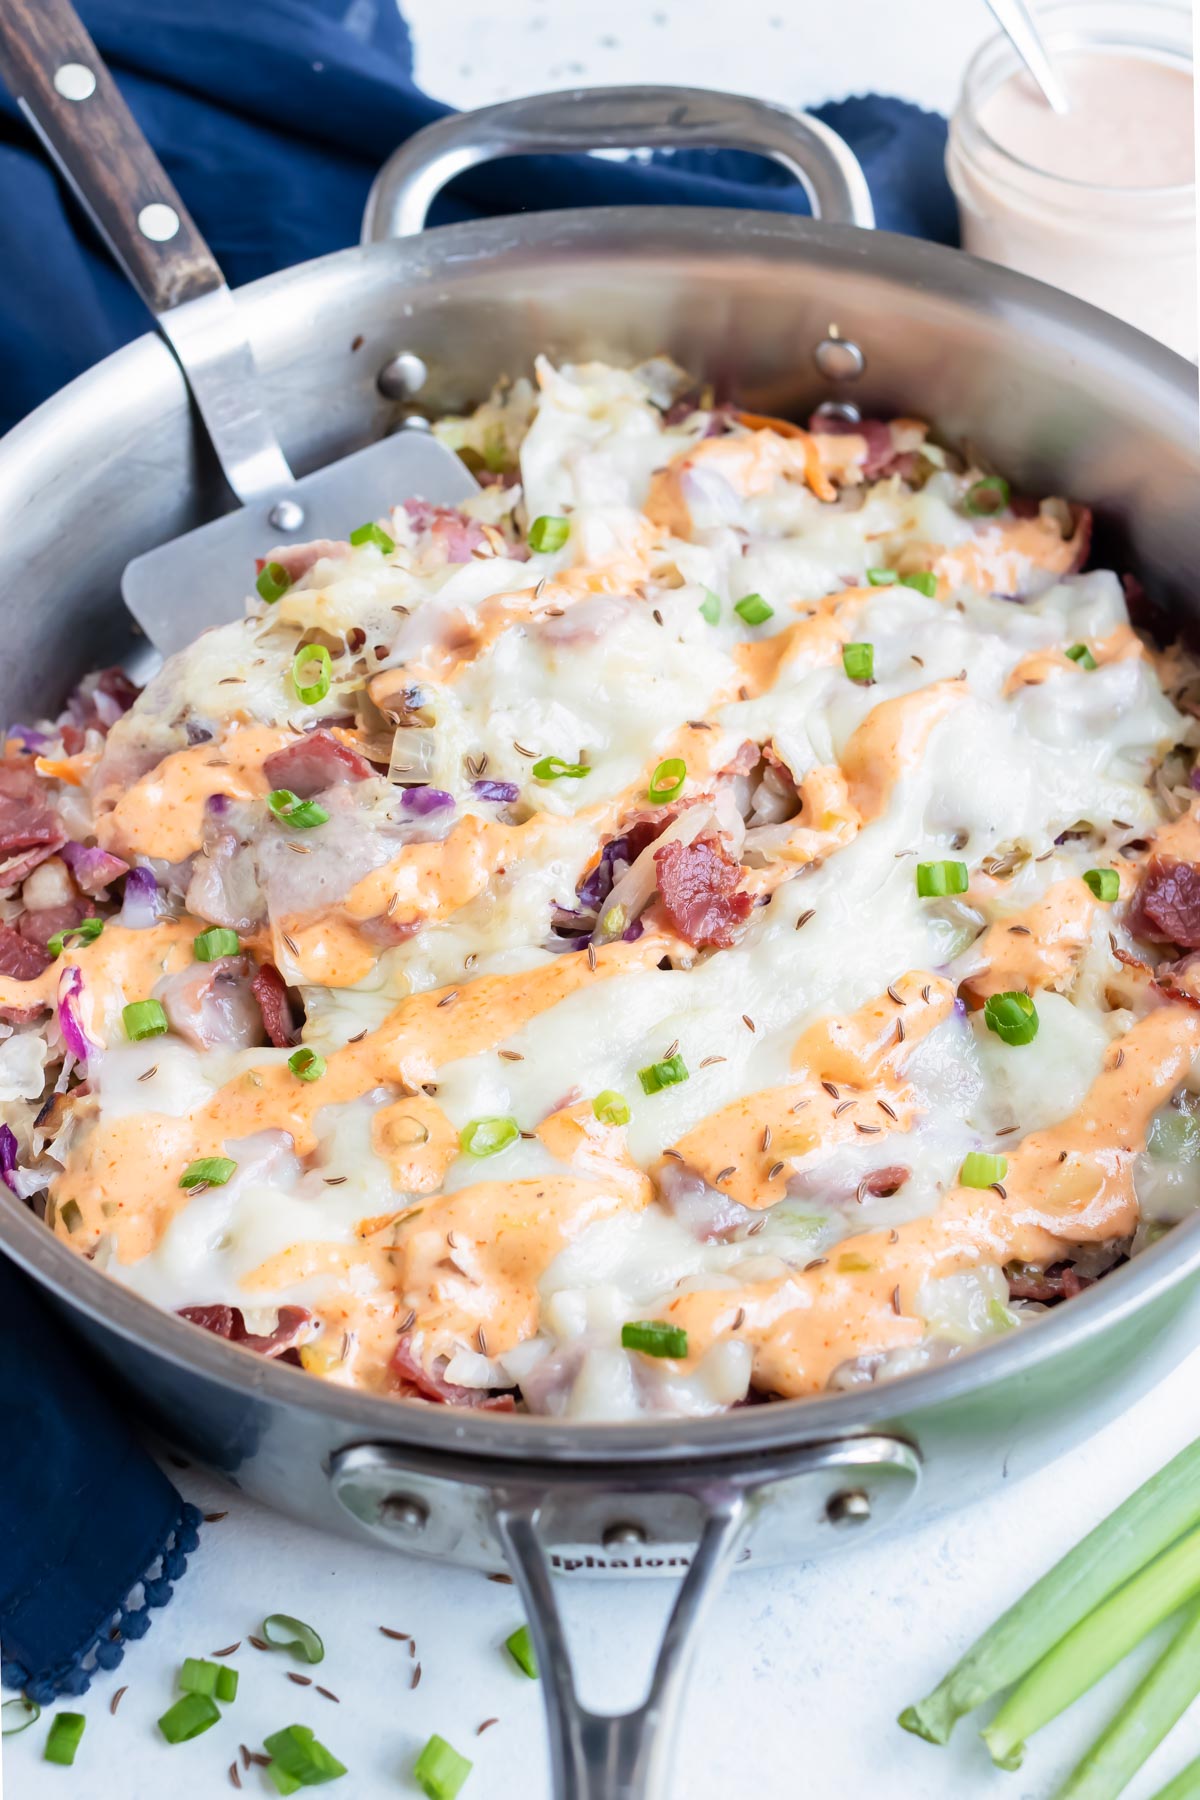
1130 249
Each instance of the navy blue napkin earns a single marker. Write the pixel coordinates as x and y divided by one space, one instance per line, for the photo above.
272 118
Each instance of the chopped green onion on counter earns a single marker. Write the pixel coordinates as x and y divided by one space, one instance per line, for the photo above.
520 1647
212 1678
216 942
189 1717
18 1715
548 534
282 1632
66 1729
654 1337
372 534
440 1771
299 1760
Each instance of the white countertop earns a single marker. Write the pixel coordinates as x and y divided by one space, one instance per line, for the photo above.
803 1669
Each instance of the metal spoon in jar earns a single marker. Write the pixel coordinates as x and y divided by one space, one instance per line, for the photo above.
1018 25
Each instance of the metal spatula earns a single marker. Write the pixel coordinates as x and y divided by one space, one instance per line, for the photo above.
178 589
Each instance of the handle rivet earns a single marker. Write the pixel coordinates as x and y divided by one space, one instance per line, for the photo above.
158 222
404 1512
623 1536
839 359
850 1507
74 81
403 377
844 410
286 515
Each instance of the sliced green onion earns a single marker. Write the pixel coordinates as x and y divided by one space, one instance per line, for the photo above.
611 1108
979 1170
1079 653
273 582
553 768
296 1753
936 879
985 497
218 941
439 1770
1156 1704
753 609
710 607
66 1729
1153 1517
667 780
1104 883
1184 1786
373 534
923 581
283 1632
189 1717
306 1065
143 1019
87 932
548 533
661 1075
208 1171
306 658
858 660
484 1137
18 1715
1001 1316
1094 1646
654 1337
211 1678
290 809
1174 1137
882 577
520 1647
1013 1018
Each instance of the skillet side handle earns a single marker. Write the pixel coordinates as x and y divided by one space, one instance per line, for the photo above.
617 1756
616 118
57 77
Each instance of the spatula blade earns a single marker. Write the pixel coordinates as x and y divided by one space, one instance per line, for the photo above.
179 589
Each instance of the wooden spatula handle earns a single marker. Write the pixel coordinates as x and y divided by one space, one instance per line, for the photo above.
56 74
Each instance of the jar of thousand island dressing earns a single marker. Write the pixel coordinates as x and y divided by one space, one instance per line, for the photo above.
1100 201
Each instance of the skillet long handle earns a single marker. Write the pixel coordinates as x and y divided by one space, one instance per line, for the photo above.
59 81
55 73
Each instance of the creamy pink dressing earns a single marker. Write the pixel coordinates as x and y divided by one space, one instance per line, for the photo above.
1130 122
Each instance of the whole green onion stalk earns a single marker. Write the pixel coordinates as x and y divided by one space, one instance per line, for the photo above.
1184 1786
1159 1512
1094 1646
1154 1706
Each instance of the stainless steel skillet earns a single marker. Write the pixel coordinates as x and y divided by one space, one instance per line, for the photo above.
782 313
